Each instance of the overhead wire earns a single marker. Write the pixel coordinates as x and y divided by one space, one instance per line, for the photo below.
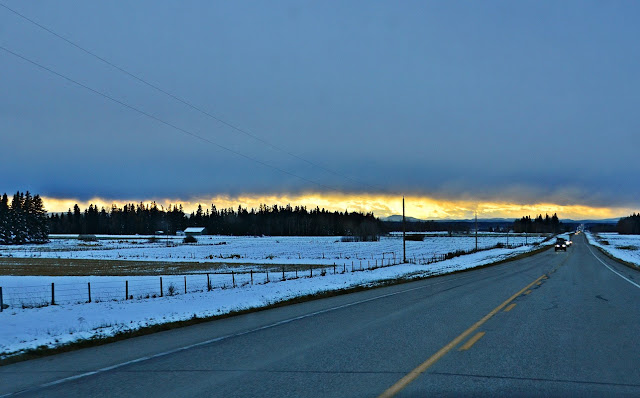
140 111
185 102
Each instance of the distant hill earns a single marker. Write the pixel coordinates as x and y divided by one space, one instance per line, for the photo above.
603 221
398 218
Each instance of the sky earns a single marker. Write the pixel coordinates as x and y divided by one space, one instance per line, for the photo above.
505 108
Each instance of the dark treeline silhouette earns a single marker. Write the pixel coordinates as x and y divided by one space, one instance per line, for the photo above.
429 226
24 220
602 227
537 225
414 226
629 225
266 220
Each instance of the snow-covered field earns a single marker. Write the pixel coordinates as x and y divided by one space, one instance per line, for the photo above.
255 250
624 247
73 319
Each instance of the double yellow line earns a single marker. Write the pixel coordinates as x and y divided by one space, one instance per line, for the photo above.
411 376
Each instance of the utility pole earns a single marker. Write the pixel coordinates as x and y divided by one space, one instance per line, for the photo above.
404 237
476 231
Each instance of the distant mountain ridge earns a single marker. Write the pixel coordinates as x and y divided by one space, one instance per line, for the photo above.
398 218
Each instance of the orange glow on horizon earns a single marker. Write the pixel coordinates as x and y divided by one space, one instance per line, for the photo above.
422 207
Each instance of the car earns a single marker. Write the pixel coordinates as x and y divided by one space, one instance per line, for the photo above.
561 244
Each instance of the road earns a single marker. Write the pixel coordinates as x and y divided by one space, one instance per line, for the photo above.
553 324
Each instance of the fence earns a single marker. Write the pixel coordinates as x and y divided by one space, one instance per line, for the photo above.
122 288
422 260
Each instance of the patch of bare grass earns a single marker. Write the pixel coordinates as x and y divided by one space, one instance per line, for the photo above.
627 247
85 267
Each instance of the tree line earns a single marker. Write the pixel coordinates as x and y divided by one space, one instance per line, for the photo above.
23 220
273 220
539 224
629 225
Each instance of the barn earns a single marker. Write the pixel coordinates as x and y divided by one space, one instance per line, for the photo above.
195 231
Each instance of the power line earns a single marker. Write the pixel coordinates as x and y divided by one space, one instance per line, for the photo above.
133 108
188 104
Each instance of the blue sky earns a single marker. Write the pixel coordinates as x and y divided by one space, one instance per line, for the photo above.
520 102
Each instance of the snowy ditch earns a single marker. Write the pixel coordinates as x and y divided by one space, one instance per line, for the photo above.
126 303
623 247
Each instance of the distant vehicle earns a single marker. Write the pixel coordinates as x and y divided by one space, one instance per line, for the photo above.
561 244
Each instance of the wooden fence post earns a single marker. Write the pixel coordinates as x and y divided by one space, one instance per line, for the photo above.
1 300
53 294
310 272
89 288
185 284
161 292
252 277
283 278
126 290
233 279
208 283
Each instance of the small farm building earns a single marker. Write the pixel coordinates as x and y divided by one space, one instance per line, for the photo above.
194 231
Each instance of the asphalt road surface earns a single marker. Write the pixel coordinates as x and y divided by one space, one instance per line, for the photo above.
554 324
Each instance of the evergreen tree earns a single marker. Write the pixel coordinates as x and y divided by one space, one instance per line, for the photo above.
18 220
41 226
76 220
5 228
24 220
629 225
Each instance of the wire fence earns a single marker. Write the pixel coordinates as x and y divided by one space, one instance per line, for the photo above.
121 288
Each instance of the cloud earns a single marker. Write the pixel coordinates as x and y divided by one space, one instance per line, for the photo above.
422 207
420 108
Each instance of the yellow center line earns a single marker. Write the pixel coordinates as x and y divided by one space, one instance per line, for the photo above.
510 307
471 341
527 292
411 376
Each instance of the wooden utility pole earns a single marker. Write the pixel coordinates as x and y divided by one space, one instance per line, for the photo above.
476 231
404 236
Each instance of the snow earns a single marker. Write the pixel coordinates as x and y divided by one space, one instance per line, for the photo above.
73 319
194 230
255 250
623 247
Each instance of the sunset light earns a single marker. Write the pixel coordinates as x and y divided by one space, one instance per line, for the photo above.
421 207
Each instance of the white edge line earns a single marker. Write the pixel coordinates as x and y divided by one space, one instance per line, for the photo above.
612 270
225 337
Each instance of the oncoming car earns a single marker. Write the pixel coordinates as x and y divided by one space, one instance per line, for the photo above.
561 244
